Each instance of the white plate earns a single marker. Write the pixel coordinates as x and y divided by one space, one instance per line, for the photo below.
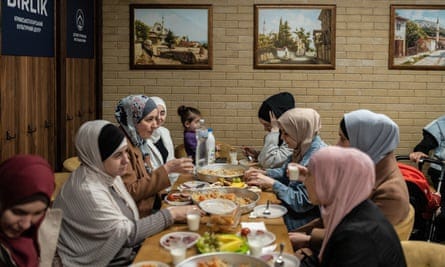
193 185
217 206
187 238
275 211
177 203
149 263
289 260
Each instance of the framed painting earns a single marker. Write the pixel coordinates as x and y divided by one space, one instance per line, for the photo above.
170 36
417 37
294 36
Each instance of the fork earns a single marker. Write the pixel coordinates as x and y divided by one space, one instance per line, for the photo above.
267 211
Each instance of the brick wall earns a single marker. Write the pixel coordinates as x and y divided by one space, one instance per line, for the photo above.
229 95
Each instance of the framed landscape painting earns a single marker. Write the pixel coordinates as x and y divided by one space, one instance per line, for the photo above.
170 36
417 37
294 36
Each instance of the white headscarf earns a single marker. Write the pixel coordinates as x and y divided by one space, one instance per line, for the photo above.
156 135
373 133
94 229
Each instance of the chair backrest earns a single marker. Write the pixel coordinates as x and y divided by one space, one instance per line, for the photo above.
180 151
60 179
405 227
423 253
70 164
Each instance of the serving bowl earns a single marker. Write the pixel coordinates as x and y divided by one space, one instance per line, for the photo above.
232 259
213 172
245 198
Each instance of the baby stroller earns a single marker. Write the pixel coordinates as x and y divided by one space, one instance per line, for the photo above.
424 201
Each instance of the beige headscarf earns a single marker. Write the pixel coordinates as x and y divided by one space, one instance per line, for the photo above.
302 125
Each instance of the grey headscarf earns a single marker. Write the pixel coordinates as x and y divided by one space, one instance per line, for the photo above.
373 133
129 112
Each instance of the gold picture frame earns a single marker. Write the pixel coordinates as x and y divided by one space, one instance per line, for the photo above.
170 36
294 36
417 37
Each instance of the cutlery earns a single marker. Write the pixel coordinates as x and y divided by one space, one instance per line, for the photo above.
249 157
267 211
279 262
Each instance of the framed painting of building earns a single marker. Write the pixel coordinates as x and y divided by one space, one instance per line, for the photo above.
294 36
170 36
417 37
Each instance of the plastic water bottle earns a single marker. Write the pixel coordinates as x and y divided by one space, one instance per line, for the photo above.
201 158
211 146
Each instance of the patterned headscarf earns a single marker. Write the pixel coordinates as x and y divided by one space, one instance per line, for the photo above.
344 177
129 112
302 125
23 177
373 133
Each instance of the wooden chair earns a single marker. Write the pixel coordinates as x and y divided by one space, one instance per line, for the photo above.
60 179
405 227
423 253
180 151
70 164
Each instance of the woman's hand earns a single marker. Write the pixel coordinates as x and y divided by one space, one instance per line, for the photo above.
179 213
274 126
253 171
249 151
416 156
299 240
260 180
182 165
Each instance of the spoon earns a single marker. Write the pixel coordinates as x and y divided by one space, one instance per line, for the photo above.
250 158
267 211
279 262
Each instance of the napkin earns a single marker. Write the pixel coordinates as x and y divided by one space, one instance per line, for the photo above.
254 225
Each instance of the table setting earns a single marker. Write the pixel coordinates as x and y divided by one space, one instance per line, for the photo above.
240 227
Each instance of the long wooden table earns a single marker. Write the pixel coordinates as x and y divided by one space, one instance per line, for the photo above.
152 250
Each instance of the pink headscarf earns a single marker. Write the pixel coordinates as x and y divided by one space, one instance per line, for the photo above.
344 177
22 177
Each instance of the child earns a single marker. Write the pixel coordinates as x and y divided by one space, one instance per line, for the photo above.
190 117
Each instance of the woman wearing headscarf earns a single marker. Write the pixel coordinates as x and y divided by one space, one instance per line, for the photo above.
137 116
377 136
275 151
101 224
160 142
300 130
340 181
26 186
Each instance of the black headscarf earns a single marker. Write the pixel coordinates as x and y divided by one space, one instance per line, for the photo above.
278 104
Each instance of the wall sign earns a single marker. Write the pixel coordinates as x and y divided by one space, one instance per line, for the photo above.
28 28
80 29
